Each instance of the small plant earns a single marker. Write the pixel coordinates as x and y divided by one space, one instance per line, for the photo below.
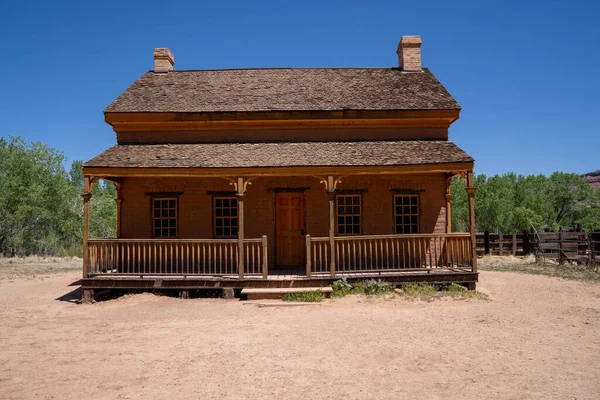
341 287
314 296
373 287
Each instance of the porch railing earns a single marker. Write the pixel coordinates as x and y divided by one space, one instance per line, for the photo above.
380 253
175 256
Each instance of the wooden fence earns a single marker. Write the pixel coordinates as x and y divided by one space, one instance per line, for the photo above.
581 247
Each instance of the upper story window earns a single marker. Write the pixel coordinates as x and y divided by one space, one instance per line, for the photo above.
349 214
406 213
225 216
164 217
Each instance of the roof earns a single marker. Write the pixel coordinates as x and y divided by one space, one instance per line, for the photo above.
284 89
299 154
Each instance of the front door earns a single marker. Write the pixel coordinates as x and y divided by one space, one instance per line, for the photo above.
289 210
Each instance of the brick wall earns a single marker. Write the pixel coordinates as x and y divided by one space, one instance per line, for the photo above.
195 205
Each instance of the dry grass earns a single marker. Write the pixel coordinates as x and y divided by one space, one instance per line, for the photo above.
528 265
35 266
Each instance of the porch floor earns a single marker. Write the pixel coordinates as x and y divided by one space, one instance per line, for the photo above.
276 278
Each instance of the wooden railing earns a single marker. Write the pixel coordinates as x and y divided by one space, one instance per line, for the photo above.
379 253
175 257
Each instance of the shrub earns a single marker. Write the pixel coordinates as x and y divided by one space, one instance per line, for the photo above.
341 287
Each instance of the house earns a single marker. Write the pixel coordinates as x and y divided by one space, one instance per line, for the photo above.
284 176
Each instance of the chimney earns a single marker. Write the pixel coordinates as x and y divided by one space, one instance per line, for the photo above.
409 53
163 60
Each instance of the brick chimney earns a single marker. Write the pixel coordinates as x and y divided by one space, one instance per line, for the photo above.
409 53
163 60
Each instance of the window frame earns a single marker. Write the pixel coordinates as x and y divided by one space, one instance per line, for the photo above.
214 216
395 214
164 197
360 215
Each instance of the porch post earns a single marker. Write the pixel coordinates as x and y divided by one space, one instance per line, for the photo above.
87 195
240 197
331 195
118 202
471 193
448 204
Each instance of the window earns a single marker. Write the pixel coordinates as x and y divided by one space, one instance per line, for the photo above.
349 210
164 217
225 217
406 213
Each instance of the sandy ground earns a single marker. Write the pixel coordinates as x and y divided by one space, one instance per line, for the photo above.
537 337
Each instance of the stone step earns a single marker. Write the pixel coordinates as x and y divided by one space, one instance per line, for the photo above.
277 293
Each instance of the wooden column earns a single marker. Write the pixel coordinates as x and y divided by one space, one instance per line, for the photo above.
118 202
331 195
471 195
240 195
448 213
87 195
448 204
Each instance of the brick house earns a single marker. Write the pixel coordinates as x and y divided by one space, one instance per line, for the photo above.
238 178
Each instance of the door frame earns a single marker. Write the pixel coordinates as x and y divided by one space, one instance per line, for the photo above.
278 191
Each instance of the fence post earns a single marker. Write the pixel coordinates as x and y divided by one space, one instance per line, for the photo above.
560 246
308 256
265 258
526 248
486 242
514 244
500 244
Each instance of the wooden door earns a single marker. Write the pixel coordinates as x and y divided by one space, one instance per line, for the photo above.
289 211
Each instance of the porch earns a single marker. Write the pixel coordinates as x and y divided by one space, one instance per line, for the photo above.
206 263
294 230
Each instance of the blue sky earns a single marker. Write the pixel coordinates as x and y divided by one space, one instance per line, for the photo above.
525 73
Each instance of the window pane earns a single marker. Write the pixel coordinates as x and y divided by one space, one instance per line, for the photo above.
164 203
172 212
234 222
171 203
234 211
356 229
356 220
413 200
340 220
218 203
414 210
157 233
226 232
341 209
406 209
173 232
172 223
356 200
413 219
234 231
226 212
219 231
340 200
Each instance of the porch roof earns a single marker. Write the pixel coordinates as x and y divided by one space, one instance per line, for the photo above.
288 154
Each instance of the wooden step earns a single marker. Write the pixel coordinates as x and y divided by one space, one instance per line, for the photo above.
277 293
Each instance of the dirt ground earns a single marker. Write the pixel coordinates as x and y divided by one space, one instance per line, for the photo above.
536 337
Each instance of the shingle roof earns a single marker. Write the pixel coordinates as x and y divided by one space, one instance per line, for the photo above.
243 155
285 89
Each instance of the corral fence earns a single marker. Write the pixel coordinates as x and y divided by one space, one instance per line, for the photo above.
562 246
